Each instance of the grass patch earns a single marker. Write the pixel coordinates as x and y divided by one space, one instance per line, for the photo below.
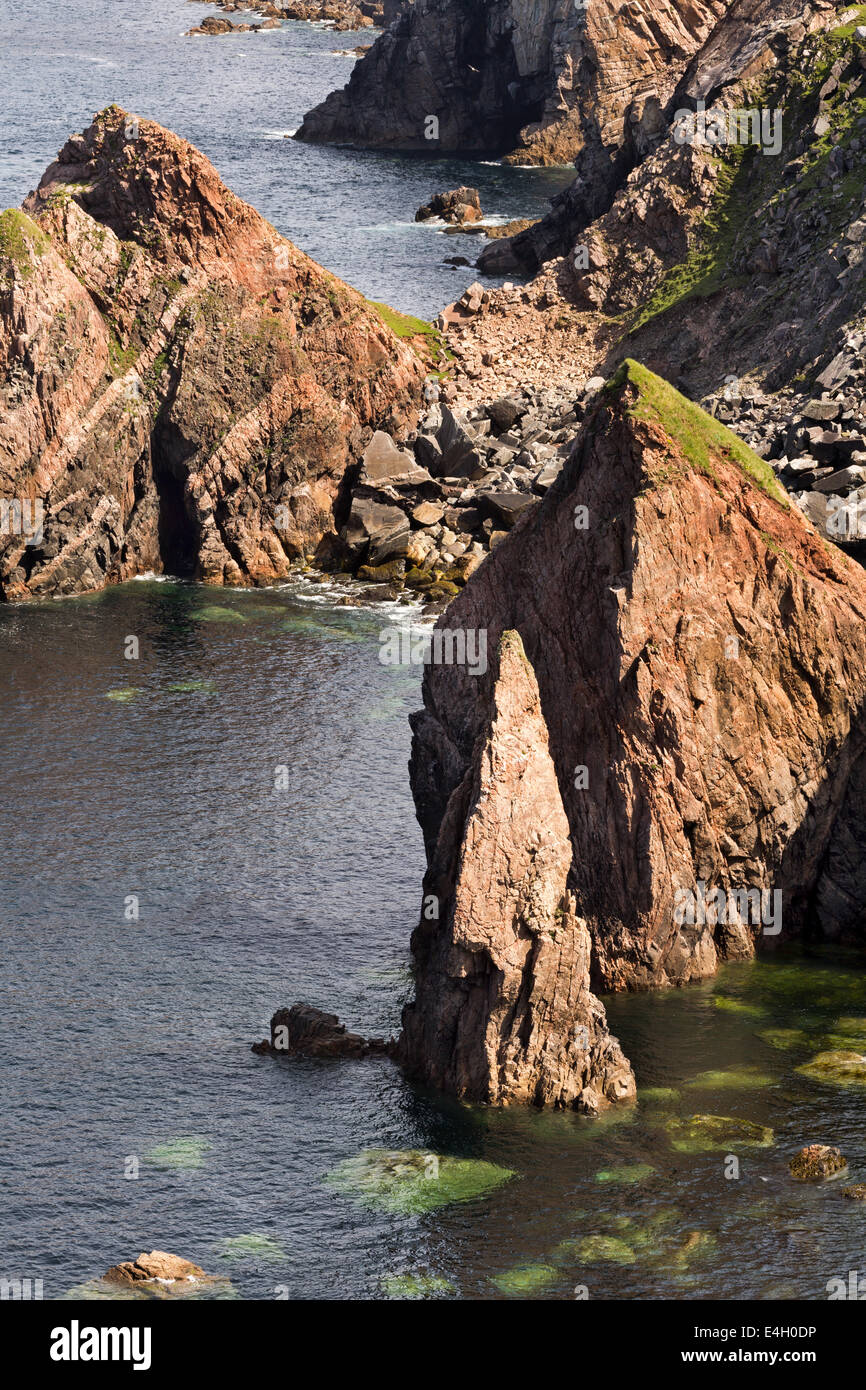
703 440
703 271
21 240
846 31
407 326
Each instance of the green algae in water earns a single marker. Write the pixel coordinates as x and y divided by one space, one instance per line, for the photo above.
216 614
738 1006
192 688
785 1039
525 1280
251 1247
697 1246
621 1239
406 1180
744 1079
601 1249
843 1068
658 1095
416 1286
314 629
711 1133
626 1173
123 695
186 1151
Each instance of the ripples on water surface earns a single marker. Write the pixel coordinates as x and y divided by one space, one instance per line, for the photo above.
132 1038
236 97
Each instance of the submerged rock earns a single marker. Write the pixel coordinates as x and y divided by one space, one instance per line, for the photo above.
503 1011
251 1247
714 1133
626 1173
841 1068
406 1181
187 1151
414 1286
857 1193
816 1163
742 1079
525 1280
785 1039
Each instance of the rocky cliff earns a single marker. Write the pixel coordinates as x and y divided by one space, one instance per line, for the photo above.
700 657
749 39
182 389
550 81
503 1011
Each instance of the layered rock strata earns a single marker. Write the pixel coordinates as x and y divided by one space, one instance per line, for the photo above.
182 389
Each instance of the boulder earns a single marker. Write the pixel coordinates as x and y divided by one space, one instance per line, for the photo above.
385 463
816 1163
506 507
376 531
428 513
505 412
456 206
308 1032
158 1266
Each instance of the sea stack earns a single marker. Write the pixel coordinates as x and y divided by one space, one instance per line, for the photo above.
664 767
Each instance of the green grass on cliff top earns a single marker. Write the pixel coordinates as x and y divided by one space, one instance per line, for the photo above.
21 239
702 439
407 326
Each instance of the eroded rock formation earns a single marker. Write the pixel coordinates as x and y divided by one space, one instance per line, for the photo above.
182 388
550 80
304 1031
503 1011
700 655
744 42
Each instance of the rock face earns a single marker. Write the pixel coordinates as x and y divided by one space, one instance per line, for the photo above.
503 1011
547 79
700 654
725 64
182 389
